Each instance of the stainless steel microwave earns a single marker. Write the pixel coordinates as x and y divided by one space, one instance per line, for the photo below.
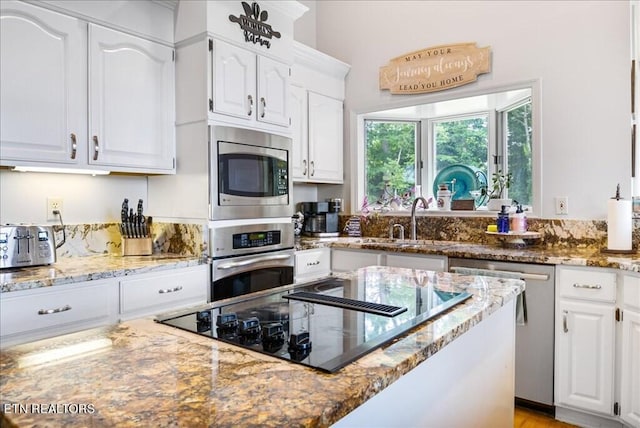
249 173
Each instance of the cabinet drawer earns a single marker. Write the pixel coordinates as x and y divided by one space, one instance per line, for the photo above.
165 290
348 260
631 292
436 263
313 263
587 284
58 309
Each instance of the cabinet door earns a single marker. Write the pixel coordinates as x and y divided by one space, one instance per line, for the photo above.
234 81
435 263
348 260
630 372
154 292
273 92
313 263
50 311
43 92
300 151
585 337
131 98
325 139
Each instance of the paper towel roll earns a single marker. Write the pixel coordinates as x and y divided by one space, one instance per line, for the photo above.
619 225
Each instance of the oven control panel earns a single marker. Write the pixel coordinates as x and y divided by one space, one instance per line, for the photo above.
256 239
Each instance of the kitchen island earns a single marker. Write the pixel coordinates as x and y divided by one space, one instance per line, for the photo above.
141 373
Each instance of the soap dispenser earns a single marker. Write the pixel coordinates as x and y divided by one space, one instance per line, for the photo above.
503 220
519 220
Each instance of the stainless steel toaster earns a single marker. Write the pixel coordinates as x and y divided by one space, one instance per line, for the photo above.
25 245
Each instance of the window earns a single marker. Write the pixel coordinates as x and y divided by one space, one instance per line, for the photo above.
390 168
485 134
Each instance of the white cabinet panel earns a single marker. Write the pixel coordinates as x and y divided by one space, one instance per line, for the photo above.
154 292
49 311
587 284
585 339
630 361
299 133
248 86
427 262
131 101
273 92
348 260
325 139
44 86
234 81
83 96
313 263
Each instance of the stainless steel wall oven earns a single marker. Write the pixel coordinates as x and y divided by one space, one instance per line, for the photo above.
250 256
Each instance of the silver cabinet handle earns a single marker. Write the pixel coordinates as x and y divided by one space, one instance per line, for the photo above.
565 328
54 311
304 165
250 98
264 106
317 262
170 290
74 145
255 260
96 147
587 286
313 168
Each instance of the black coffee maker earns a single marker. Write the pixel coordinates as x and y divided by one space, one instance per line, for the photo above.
320 219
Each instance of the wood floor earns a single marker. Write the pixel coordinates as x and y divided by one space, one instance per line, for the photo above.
525 418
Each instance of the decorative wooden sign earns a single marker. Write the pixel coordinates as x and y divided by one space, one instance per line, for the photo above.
435 69
256 30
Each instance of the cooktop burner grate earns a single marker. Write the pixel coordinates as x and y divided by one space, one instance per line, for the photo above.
345 303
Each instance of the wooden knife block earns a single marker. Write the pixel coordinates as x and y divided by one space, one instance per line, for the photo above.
137 246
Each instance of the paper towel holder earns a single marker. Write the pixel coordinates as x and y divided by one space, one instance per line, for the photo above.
608 250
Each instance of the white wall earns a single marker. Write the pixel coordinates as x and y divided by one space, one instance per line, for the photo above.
85 199
580 51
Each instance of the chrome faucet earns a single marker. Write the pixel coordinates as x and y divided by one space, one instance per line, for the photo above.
425 204
392 228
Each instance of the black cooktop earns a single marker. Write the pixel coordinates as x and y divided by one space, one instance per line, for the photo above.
329 323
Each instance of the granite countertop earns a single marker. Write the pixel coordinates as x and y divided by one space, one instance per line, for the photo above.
528 254
78 269
148 374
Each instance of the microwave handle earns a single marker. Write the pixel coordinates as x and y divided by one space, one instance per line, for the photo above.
253 261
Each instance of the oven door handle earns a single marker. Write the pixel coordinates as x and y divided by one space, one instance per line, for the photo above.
253 261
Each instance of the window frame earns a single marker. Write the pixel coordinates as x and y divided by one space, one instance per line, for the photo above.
357 138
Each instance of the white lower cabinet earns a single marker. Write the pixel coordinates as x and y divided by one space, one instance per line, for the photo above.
313 263
585 339
49 311
597 347
345 260
417 261
630 364
151 293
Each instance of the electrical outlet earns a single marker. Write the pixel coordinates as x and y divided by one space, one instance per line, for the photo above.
562 205
53 204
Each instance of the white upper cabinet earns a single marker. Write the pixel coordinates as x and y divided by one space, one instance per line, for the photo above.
83 96
43 94
131 114
325 139
273 92
245 78
248 86
317 116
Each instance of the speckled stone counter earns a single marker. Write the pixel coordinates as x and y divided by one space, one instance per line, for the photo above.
78 269
588 256
147 374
